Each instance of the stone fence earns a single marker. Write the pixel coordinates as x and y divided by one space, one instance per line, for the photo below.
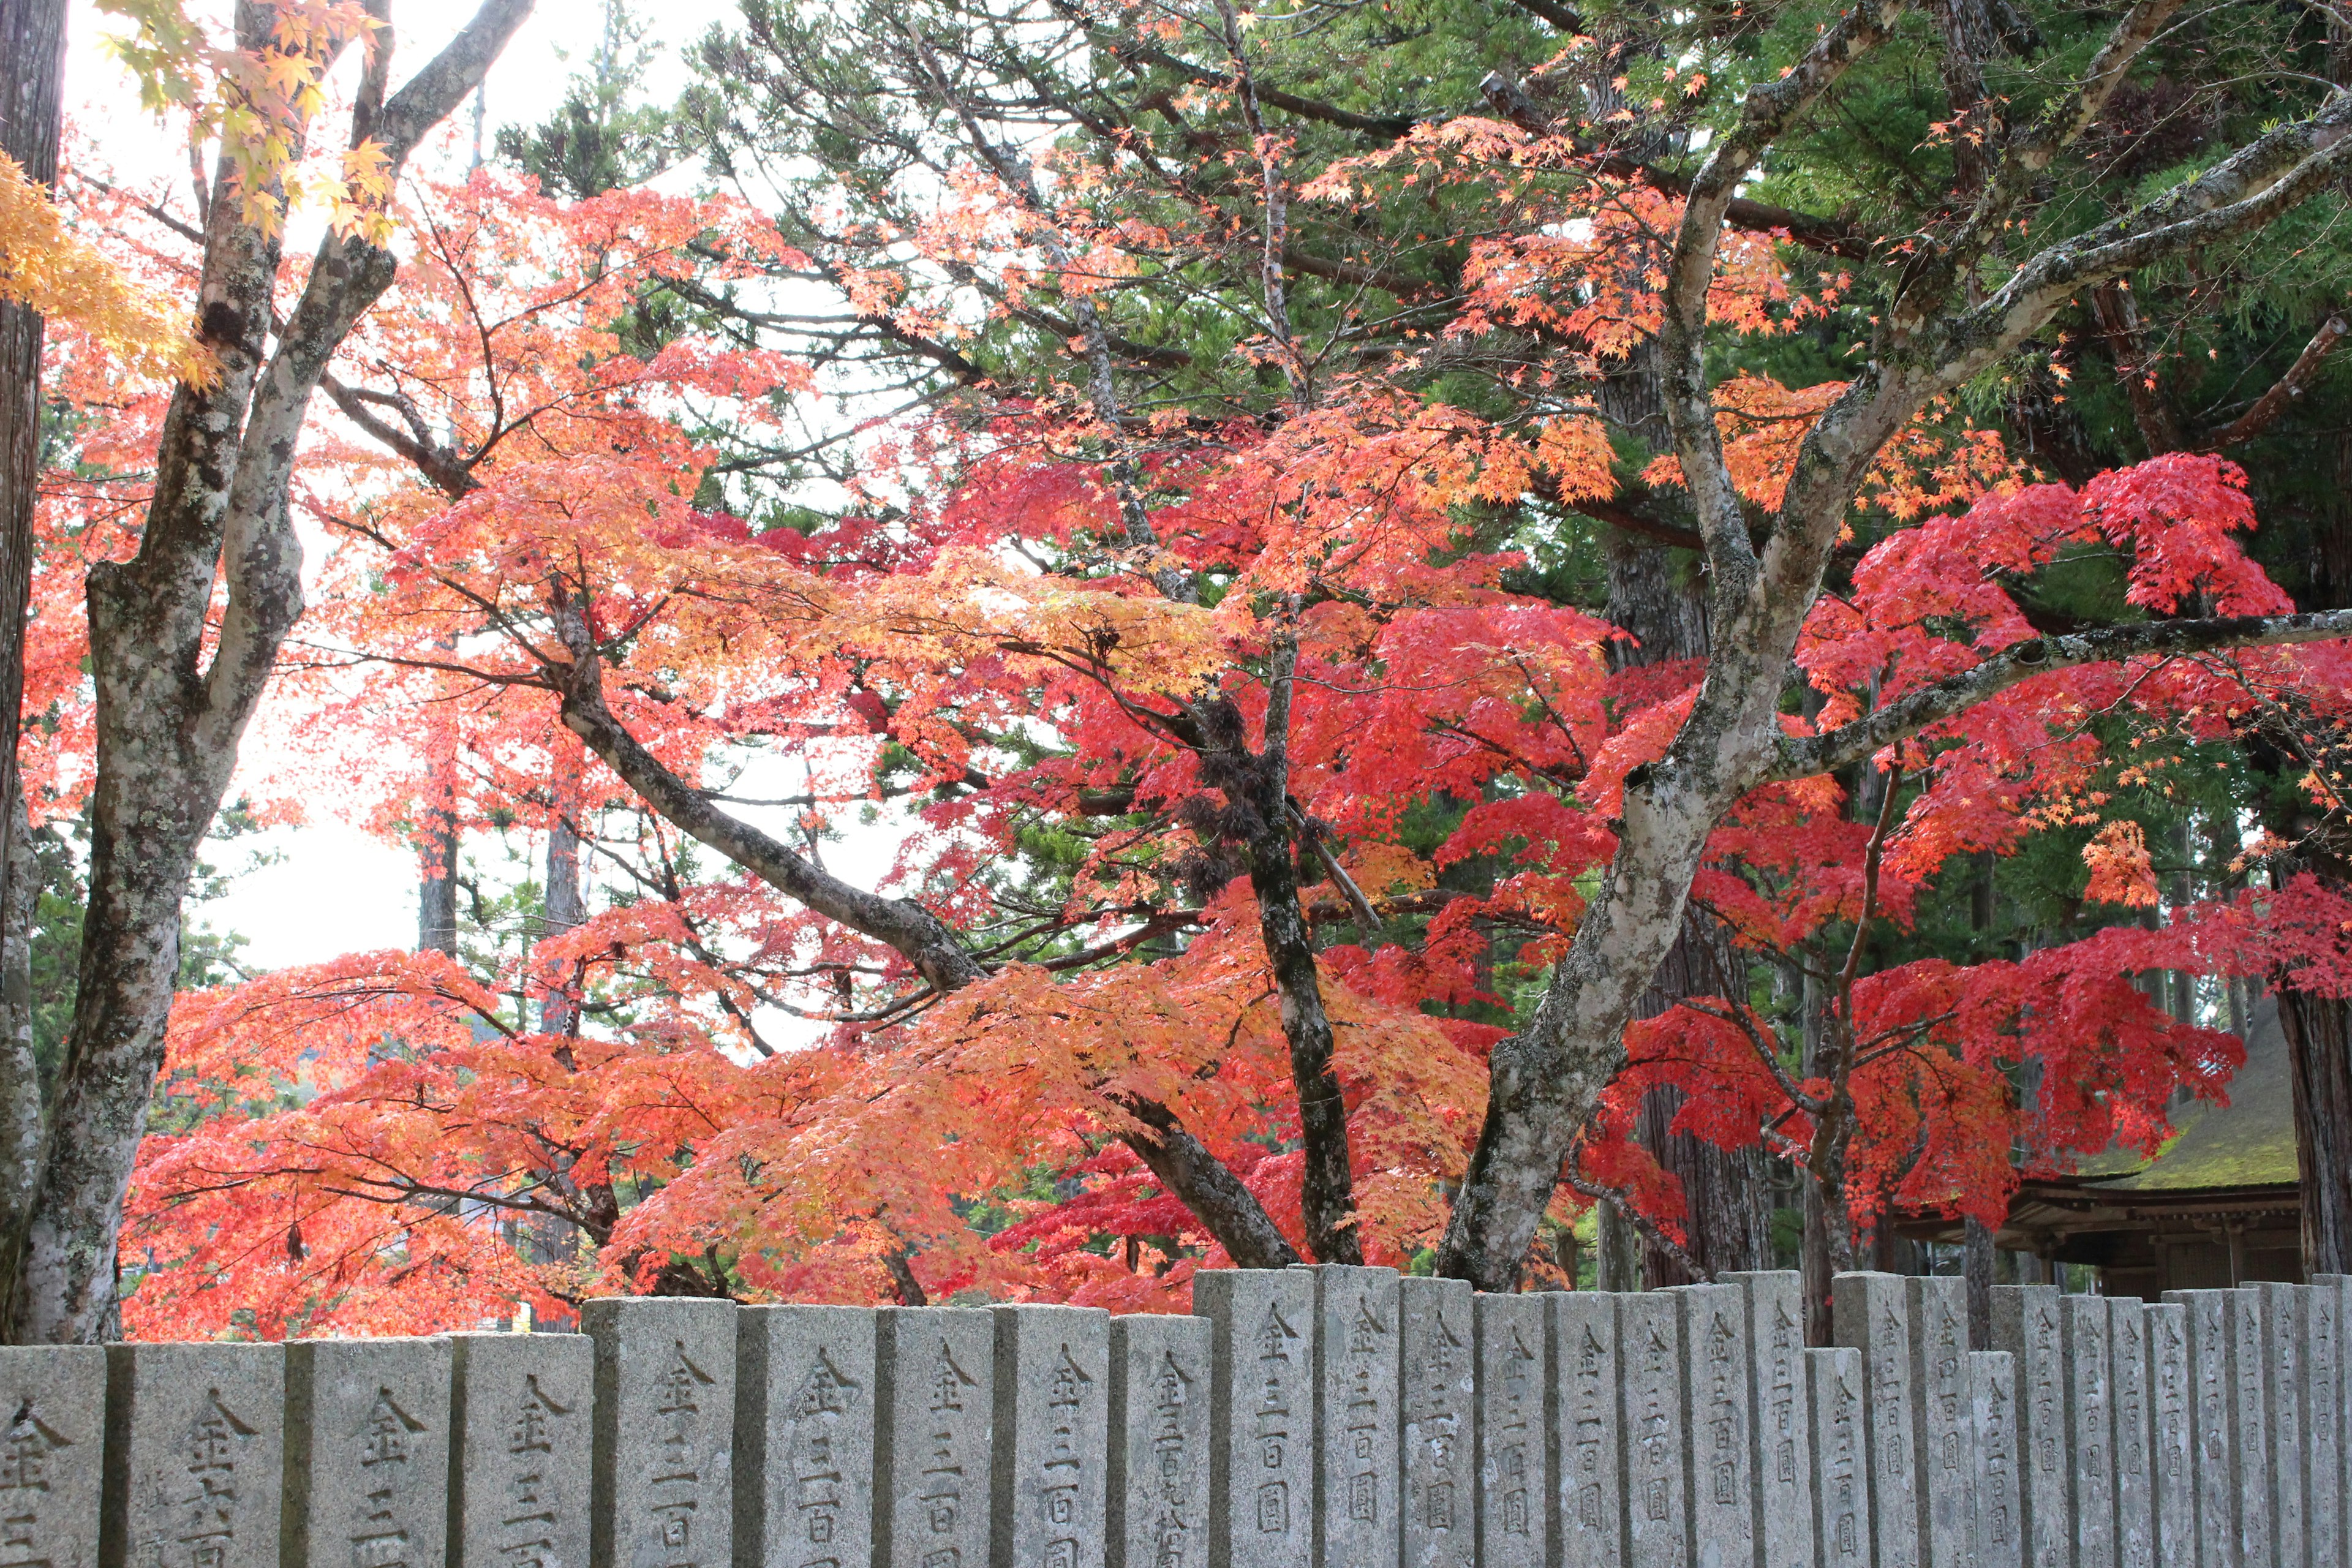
1304 1418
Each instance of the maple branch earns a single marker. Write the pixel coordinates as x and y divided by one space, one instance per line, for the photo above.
2285 389
1796 758
1651 1230
1184 1166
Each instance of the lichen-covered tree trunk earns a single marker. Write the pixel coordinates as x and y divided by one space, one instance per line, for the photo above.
32 77
169 718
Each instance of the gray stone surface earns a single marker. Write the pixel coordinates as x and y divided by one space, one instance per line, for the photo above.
1159 1490
194 1456
2258 1545
1872 1313
1840 1460
1656 1412
1719 1427
1262 1404
2135 1433
804 1391
1360 1490
1590 1458
2025 1324
2283 1374
1514 1456
1439 1383
1938 1327
1053 1436
2084 1346
367 1453
665 1432
2323 1328
2173 1439
2339 1289
2206 1317
934 1400
52 1457
521 1413
1784 1471
1997 1527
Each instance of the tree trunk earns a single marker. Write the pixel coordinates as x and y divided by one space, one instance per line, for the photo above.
2319 1031
1651 596
33 44
169 720
566 905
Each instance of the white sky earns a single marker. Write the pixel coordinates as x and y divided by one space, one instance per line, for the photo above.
336 889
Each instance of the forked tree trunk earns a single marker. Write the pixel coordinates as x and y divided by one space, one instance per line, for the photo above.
175 690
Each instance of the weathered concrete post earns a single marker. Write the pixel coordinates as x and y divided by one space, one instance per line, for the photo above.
665 1432
2135 1433
2285 1372
1590 1461
1784 1465
1872 1315
935 1397
1992 1400
1657 1414
1159 1485
2213 1421
1358 1486
1053 1436
2090 1427
2258 1537
522 1433
1840 1460
2025 1324
2323 1306
2173 1463
194 1456
367 1452
805 1390
1719 1425
1514 1455
1261 1403
1938 1325
1439 1385
52 1457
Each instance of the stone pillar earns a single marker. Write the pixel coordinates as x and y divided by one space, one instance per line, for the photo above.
1719 1425
2284 1374
804 1389
1784 1471
1873 1316
2212 1425
1841 1474
521 1434
2135 1433
1053 1436
934 1401
53 1455
2025 1324
1997 1526
194 1456
2249 1420
2337 1289
1262 1413
1358 1490
2323 1306
2172 1461
665 1432
1159 1488
2090 1427
1439 1384
1938 1325
1656 1409
367 1453
1514 1455
1586 1371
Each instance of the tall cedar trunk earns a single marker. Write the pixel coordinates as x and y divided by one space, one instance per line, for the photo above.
169 718
1651 594
32 76
436 890
2319 1031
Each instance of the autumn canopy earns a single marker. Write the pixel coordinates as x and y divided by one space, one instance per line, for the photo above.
1034 646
